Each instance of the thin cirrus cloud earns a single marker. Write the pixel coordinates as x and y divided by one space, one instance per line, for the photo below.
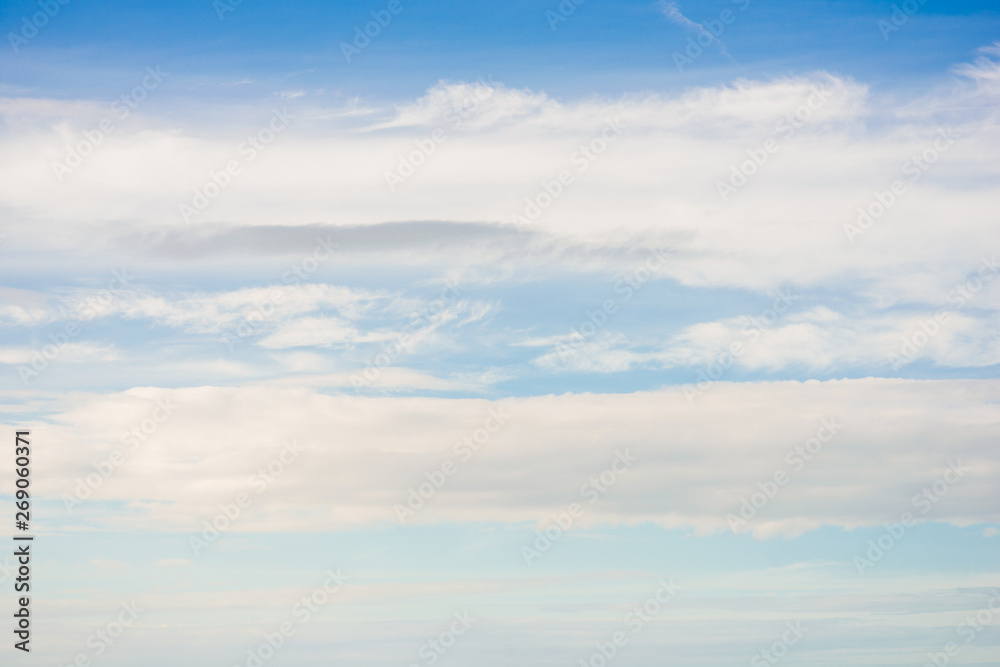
817 339
202 312
68 352
674 15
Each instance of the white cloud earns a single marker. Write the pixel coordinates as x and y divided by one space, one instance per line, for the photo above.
69 352
212 312
23 308
388 380
816 339
603 353
986 67
313 331
658 181
475 105
695 461
108 564
284 315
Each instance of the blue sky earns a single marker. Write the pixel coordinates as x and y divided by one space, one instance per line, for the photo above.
510 315
611 48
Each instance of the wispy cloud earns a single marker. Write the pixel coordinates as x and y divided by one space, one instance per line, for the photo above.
674 15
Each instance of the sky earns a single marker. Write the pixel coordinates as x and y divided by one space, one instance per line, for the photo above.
534 333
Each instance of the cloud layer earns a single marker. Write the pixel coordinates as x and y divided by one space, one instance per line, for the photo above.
884 442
